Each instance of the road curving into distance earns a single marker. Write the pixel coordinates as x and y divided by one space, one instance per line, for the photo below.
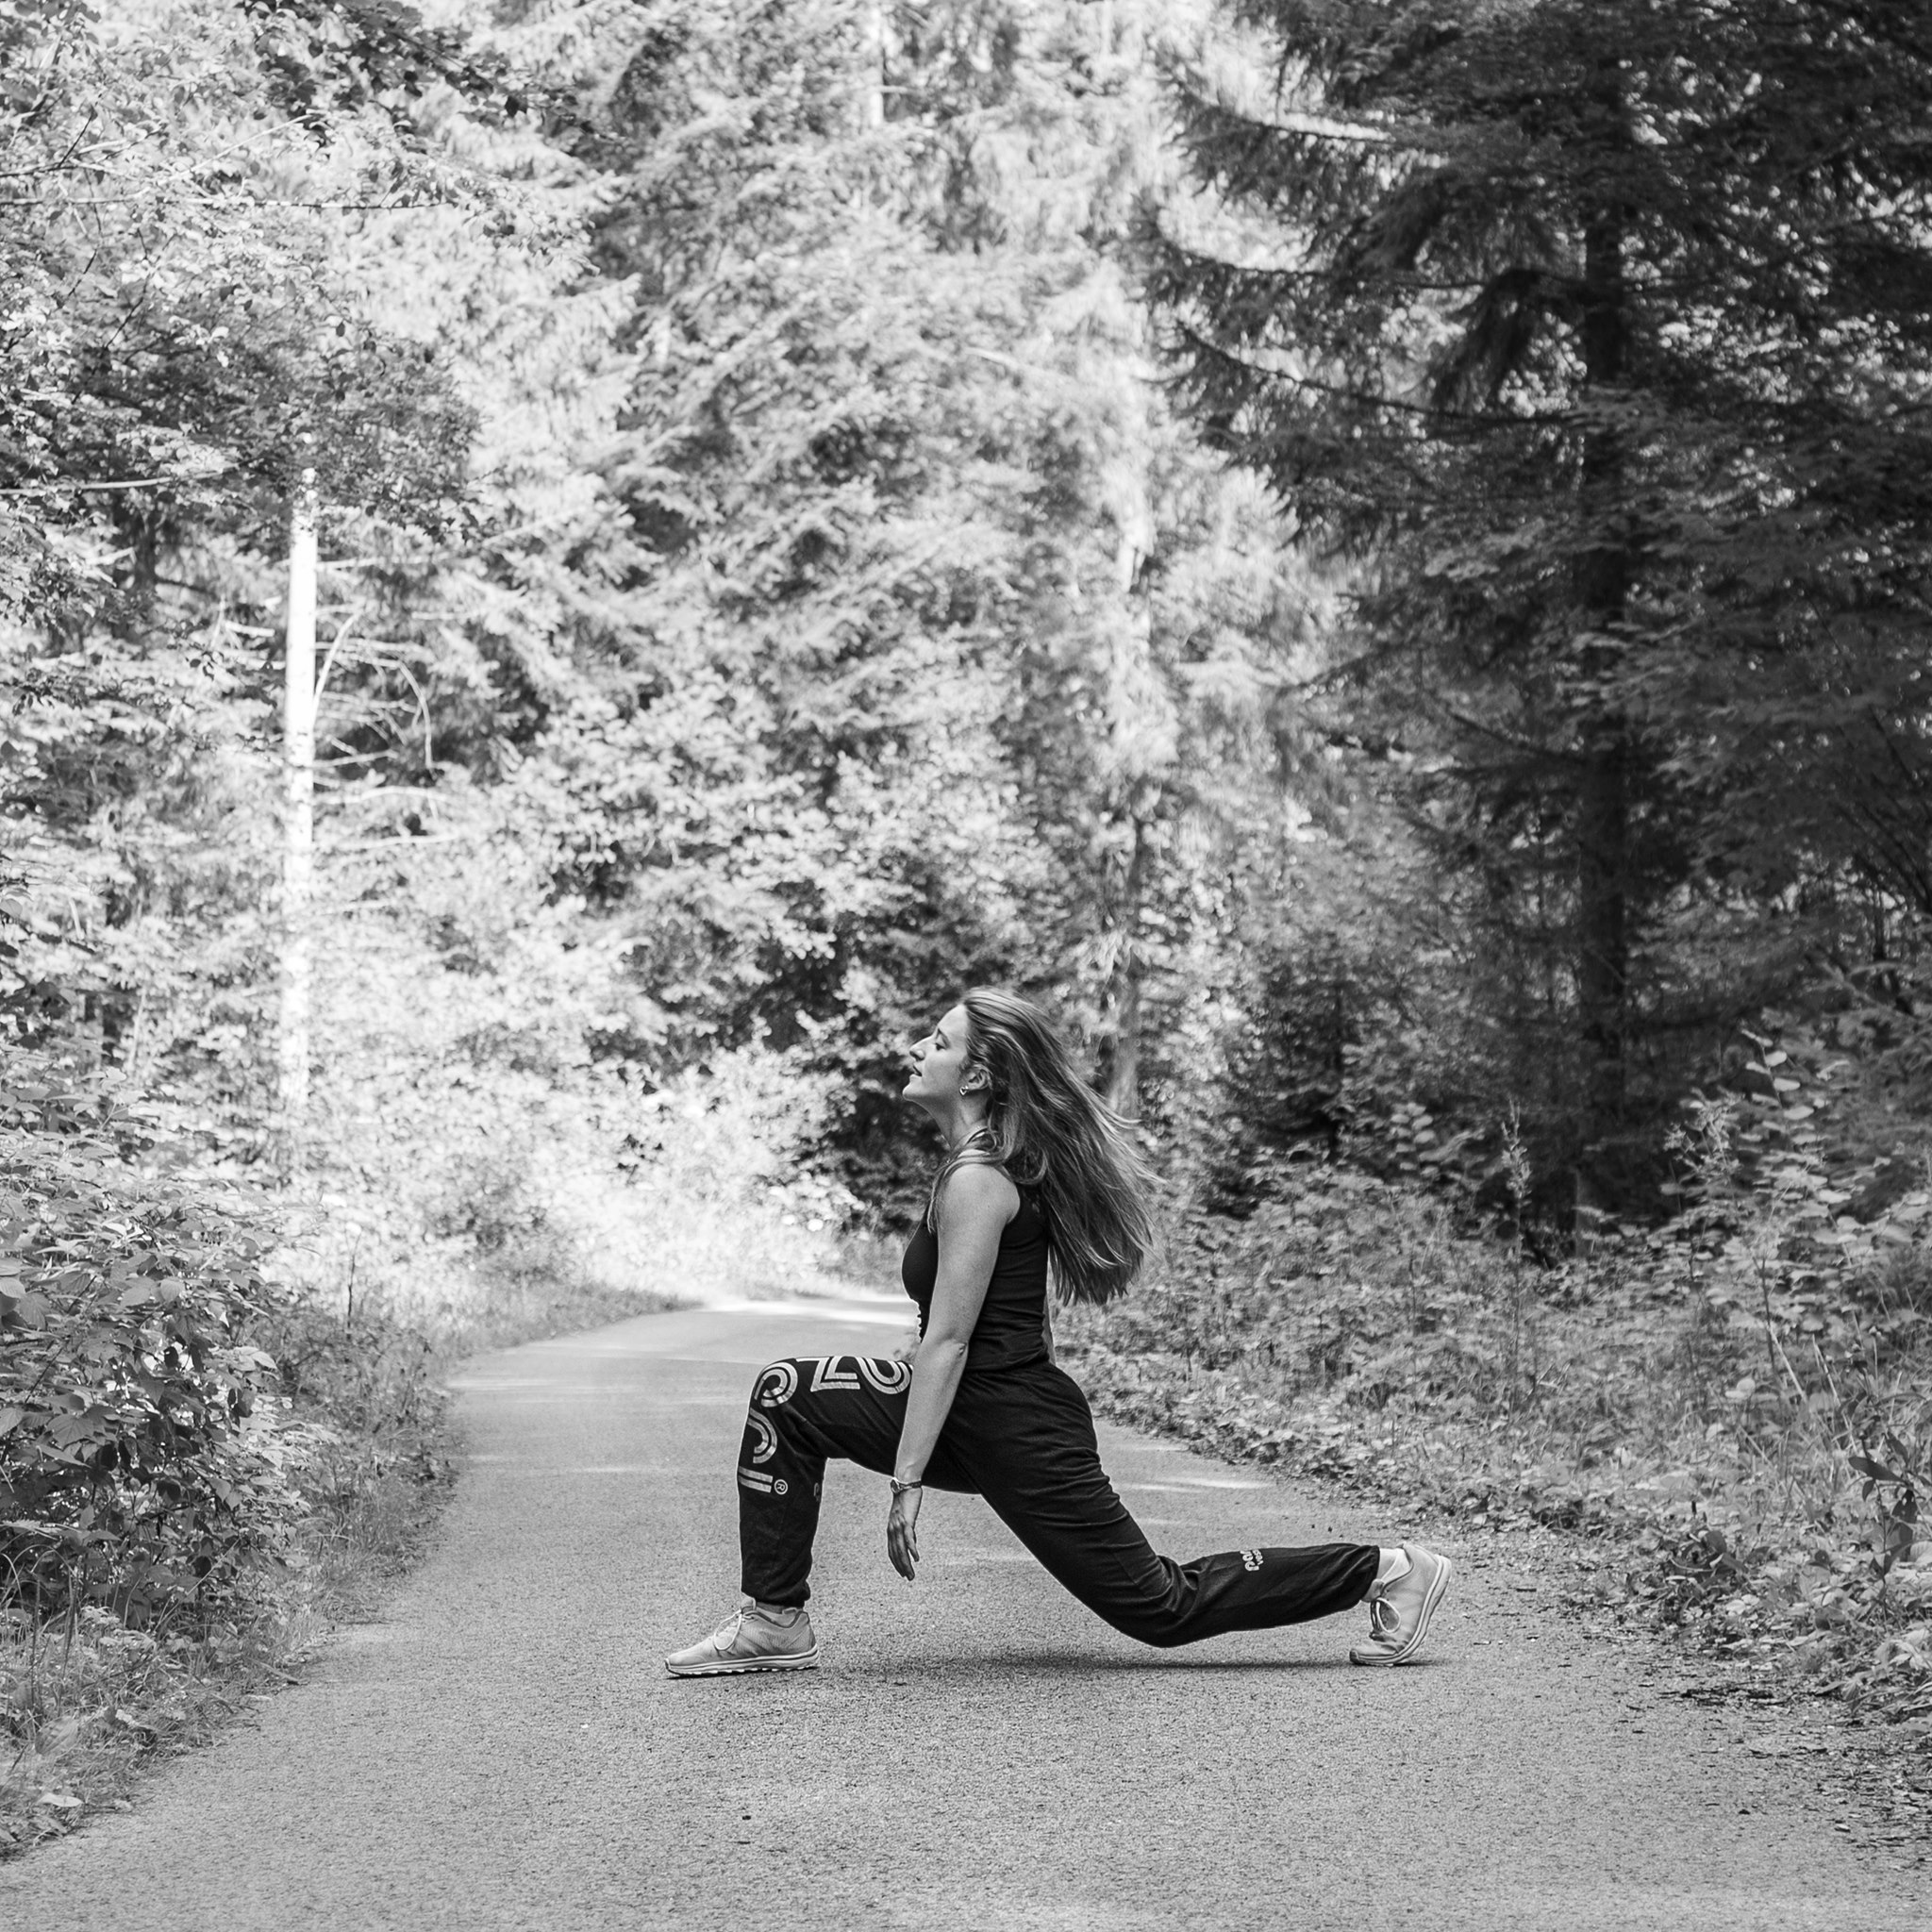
977 1751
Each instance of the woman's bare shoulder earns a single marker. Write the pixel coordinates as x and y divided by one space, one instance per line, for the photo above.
978 1191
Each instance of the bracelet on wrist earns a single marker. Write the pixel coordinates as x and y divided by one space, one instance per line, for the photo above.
900 1486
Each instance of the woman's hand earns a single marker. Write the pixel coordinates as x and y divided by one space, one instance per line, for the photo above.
902 1532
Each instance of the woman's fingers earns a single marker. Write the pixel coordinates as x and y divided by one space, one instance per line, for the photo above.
902 1540
903 1555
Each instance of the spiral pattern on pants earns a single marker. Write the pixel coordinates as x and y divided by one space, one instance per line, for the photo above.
776 1385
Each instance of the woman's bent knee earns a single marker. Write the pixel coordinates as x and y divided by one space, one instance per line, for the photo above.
775 1384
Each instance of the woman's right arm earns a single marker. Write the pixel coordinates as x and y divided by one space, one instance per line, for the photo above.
973 1210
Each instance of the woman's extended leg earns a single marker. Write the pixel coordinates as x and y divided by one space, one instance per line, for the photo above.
1033 1457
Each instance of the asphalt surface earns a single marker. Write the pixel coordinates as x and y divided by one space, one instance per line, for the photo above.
977 1751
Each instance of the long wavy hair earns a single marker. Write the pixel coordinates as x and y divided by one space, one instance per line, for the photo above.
1051 1132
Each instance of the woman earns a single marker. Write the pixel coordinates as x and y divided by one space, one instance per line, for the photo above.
1038 1175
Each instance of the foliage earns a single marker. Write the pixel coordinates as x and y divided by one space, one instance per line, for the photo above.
176 352
769 578
1576 325
184 335
129 1472
936 622
1742 1451
90 1696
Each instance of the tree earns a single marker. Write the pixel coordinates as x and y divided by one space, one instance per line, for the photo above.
941 627
1598 333
191 334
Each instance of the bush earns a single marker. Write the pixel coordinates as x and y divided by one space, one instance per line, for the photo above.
130 1473
1733 1406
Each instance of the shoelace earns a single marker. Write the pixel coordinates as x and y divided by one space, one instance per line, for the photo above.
1384 1620
725 1635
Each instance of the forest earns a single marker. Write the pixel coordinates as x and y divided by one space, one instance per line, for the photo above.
1374 557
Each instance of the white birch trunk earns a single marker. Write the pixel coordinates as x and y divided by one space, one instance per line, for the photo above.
873 111
298 828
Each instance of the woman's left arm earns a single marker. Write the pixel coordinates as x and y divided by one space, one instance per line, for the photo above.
973 1210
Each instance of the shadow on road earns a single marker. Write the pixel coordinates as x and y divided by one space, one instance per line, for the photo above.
1057 1665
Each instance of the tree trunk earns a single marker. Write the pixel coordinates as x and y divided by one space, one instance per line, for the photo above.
1124 1087
1603 944
1603 804
873 107
1124 1091
298 828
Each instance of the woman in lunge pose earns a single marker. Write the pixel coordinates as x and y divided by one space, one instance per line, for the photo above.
1038 1175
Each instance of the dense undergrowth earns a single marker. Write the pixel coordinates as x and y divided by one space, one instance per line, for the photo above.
1729 1419
198 1473
222 1425
93 1688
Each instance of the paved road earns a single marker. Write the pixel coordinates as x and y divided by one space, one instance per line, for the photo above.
977 1751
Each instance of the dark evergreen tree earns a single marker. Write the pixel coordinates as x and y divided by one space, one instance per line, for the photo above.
1602 333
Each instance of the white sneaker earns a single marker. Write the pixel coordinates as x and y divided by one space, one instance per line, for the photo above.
1399 1613
750 1639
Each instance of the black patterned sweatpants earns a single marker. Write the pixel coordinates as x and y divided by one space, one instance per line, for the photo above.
1022 1439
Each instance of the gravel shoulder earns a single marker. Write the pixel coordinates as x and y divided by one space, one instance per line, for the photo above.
504 1750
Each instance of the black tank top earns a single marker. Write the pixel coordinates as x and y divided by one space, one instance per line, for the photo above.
1011 1329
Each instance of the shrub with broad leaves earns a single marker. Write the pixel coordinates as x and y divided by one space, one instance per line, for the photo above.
130 1473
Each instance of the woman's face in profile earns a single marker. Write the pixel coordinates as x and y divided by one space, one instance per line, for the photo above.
937 1062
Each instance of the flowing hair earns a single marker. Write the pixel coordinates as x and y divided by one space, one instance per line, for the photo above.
1050 1131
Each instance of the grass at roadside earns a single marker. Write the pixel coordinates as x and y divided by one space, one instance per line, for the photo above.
89 1699
1701 1447
390 1276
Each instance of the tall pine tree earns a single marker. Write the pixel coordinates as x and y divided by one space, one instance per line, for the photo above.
1602 332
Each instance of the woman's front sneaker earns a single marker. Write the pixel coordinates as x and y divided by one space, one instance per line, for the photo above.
751 1639
1400 1610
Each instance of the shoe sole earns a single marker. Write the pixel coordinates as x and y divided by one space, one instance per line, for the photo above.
744 1667
1381 1659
